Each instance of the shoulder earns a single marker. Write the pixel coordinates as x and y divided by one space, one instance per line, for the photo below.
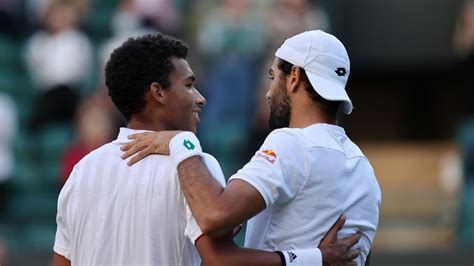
284 140
285 134
91 158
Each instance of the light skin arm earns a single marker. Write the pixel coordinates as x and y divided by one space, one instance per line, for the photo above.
217 210
59 260
223 251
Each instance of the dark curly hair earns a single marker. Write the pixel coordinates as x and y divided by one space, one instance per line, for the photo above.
136 64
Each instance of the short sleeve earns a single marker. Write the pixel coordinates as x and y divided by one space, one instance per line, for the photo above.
278 169
192 230
62 244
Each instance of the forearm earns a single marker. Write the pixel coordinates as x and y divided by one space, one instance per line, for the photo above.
244 256
223 251
205 197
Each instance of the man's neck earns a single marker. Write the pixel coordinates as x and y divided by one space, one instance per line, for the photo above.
140 123
305 115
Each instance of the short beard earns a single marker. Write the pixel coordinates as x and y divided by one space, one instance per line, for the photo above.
280 109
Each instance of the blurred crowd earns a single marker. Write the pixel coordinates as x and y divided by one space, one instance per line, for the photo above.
464 46
54 107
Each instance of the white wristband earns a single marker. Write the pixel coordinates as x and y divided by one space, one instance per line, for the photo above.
302 257
183 146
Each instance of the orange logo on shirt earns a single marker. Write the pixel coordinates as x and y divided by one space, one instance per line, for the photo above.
270 153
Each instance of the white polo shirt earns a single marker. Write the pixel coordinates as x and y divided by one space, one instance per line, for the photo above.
308 177
113 214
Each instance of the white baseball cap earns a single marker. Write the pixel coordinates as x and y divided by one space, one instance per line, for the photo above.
325 61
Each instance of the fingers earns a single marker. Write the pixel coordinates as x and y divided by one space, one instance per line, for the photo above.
353 254
140 155
351 240
138 135
340 222
127 146
332 233
132 148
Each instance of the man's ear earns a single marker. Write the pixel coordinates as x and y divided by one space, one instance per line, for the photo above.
157 92
294 78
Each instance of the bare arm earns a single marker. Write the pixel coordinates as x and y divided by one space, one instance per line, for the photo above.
217 210
59 260
223 251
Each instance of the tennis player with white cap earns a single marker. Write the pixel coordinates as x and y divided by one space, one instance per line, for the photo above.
305 174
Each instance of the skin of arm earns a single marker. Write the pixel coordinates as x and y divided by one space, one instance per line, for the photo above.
223 251
59 260
217 210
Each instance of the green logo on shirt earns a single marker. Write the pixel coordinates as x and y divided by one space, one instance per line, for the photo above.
188 145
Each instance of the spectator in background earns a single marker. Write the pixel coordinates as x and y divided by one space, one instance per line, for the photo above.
95 127
291 17
126 22
8 129
161 14
9 12
59 59
36 10
288 18
3 252
231 41
464 46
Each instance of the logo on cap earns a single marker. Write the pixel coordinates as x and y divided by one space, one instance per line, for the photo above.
340 71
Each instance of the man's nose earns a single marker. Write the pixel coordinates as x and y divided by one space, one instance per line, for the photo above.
201 101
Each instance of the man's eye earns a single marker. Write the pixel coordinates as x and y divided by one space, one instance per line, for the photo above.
271 78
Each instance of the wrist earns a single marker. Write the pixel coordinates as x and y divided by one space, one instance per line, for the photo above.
184 145
301 257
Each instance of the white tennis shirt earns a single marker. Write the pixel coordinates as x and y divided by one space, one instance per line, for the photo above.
308 177
113 214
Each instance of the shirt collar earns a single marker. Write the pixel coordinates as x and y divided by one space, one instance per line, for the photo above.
331 127
123 135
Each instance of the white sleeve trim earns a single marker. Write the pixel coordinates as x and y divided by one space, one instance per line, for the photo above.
267 197
62 251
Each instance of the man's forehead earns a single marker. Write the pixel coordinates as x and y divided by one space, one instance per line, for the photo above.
275 63
182 68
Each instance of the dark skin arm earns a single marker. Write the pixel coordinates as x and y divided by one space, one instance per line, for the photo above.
217 210
223 251
59 260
